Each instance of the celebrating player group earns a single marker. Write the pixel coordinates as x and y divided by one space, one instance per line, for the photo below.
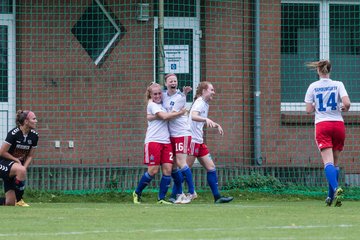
174 139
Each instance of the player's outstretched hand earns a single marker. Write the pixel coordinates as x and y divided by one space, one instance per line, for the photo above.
210 123
187 89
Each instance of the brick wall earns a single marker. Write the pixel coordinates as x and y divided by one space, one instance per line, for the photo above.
102 108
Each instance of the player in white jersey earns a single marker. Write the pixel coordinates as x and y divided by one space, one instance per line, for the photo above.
328 98
158 150
180 136
197 118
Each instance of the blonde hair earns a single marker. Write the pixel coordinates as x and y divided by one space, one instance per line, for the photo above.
324 66
149 90
21 115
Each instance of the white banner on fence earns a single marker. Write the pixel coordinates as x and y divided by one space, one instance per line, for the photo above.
176 58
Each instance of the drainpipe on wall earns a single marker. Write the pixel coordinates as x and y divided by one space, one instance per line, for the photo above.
257 111
161 54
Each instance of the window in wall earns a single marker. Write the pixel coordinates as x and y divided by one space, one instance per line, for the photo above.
177 8
299 44
6 6
3 64
345 47
313 30
98 31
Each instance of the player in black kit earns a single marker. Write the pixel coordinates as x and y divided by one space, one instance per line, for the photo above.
16 154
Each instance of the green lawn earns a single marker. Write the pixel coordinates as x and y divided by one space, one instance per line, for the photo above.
241 219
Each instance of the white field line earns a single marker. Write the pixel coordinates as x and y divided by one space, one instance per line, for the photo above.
24 234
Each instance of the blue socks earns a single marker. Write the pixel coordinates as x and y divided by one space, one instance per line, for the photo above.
178 179
144 181
213 183
179 176
186 172
164 185
331 191
331 175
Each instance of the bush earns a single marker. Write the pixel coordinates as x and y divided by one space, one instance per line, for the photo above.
254 180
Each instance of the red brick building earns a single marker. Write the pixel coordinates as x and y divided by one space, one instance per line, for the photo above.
83 66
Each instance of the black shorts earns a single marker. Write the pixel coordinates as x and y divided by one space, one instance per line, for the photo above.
5 166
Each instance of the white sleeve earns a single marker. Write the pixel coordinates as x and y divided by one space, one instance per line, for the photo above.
309 97
342 90
153 108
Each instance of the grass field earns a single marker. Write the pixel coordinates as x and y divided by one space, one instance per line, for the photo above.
241 219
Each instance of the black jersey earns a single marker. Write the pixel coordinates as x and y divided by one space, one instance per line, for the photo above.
21 144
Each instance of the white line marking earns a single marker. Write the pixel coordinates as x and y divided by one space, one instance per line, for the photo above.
19 234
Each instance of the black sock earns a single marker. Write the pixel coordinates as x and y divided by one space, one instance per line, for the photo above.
19 194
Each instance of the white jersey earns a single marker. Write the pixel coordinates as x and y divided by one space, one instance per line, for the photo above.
326 94
197 131
178 126
157 130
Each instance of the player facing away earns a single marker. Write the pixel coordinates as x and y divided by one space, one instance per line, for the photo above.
16 154
157 150
180 136
328 98
198 117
